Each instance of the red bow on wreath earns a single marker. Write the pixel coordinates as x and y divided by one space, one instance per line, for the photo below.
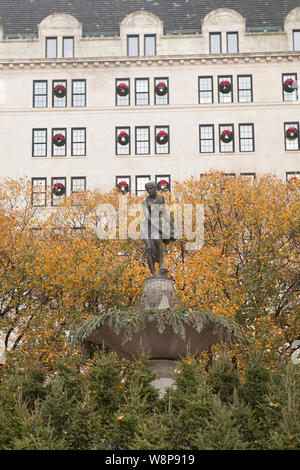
59 137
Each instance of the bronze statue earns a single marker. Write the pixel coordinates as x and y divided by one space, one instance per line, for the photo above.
152 230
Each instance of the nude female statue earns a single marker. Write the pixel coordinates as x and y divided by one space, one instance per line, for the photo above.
152 230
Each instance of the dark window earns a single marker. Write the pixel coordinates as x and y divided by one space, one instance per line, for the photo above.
232 42
122 149
40 94
39 192
68 47
225 97
78 142
78 184
207 141
51 47
140 182
78 93
161 98
150 44
296 39
142 140
292 93
246 137
142 91
59 151
127 179
206 95
125 99
39 142
167 178
215 46
245 92
133 48
226 147
61 101
162 148
57 200
291 144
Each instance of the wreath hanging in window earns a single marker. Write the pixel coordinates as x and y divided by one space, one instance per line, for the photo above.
294 179
59 140
226 136
122 89
60 91
58 189
162 137
161 89
123 186
225 86
163 185
292 133
123 138
289 85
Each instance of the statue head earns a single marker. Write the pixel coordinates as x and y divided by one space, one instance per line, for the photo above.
151 188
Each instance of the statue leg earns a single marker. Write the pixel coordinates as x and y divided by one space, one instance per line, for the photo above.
150 258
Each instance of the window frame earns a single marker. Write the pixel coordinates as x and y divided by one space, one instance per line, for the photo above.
64 129
225 77
239 89
233 140
63 82
34 95
249 174
127 178
76 178
212 139
72 141
155 44
117 130
287 75
291 123
156 130
292 173
137 141
136 179
211 91
163 177
215 33
79 94
54 178
138 44
63 47
159 79
44 179
136 93
295 31
251 124
46 46
44 143
237 42
116 94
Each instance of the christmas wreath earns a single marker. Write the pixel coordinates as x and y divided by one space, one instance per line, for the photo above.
58 189
123 187
122 89
226 136
294 178
288 85
161 89
292 133
225 86
162 137
59 140
60 91
163 185
123 138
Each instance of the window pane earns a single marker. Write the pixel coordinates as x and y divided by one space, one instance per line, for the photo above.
142 92
78 184
59 102
57 200
133 45
150 45
225 97
232 43
161 148
205 90
142 143
122 149
296 38
246 138
78 93
226 146
68 47
206 139
161 99
58 151
140 184
291 144
51 48
215 43
40 94
125 99
244 89
38 191
293 94
39 143
78 142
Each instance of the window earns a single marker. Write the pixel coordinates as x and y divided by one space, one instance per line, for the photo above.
167 178
291 143
158 97
122 149
57 200
123 100
205 85
39 192
40 93
61 101
140 182
162 148
245 93
142 91
142 140
78 184
207 141
133 48
215 43
250 176
51 47
39 142
225 97
232 42
296 39
78 142
289 93
150 44
246 137
292 175
59 151
68 47
226 147
124 178
78 93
